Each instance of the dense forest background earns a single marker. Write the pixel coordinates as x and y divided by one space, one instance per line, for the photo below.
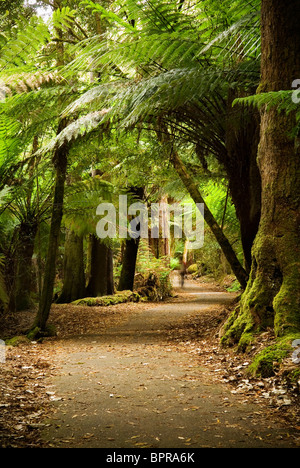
166 102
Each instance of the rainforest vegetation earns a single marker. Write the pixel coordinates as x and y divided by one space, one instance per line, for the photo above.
164 101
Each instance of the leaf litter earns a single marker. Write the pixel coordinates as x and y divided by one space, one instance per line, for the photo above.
26 397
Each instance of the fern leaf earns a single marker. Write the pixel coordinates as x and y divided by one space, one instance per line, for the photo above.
63 18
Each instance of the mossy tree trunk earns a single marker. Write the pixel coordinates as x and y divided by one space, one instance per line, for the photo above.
272 297
74 277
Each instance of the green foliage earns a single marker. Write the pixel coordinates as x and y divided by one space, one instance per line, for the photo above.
156 273
81 201
63 18
218 200
153 59
10 145
110 15
283 101
235 287
19 52
264 362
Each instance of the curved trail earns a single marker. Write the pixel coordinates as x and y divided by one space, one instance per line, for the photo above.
129 387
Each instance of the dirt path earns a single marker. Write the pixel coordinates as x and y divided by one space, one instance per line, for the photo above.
131 387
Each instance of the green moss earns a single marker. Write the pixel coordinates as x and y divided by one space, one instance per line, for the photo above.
246 341
264 362
293 376
37 334
192 269
105 301
286 306
239 329
50 330
17 340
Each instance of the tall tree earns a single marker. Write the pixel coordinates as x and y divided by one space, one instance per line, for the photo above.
272 297
188 84
60 162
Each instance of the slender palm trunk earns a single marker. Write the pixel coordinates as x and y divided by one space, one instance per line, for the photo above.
60 163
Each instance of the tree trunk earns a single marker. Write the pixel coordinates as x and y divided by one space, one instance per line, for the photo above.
74 277
242 139
20 296
129 264
101 270
272 297
130 253
60 161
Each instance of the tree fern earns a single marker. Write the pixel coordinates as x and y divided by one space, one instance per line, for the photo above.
286 101
81 200
63 18
21 51
172 43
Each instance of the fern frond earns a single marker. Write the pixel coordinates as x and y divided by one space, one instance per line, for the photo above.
74 130
21 51
282 100
285 101
110 15
63 18
81 201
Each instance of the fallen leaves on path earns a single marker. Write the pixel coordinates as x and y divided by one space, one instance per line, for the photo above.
24 400
26 397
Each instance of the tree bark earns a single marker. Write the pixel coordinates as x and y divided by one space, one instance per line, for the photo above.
129 264
272 298
74 277
130 252
101 270
242 139
20 295
60 161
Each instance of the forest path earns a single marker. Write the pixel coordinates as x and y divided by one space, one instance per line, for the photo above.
133 387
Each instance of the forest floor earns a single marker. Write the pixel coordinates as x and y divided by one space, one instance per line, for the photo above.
142 376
